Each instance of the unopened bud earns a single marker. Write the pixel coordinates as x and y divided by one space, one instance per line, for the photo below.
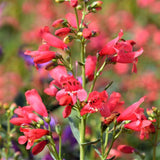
80 34
13 107
58 129
68 39
41 122
47 119
97 4
6 106
79 7
38 125
59 1
51 65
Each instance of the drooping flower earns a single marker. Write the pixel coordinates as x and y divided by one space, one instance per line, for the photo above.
58 23
31 135
138 120
126 149
109 48
36 103
52 40
62 31
39 147
25 116
42 55
129 113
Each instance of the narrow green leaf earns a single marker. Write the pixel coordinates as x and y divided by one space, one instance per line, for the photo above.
89 143
98 152
108 85
74 129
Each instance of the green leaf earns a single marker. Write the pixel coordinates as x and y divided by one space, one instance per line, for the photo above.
74 129
90 143
108 85
98 152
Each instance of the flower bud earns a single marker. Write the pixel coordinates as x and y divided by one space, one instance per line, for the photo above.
58 129
47 119
41 122
6 106
51 65
97 4
68 39
79 7
79 34
59 1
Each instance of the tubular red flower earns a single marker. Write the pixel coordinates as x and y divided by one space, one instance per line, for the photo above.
39 147
52 40
126 149
109 49
31 135
128 114
25 116
58 23
62 31
36 103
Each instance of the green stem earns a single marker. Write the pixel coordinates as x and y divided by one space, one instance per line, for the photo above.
60 147
96 76
54 148
112 142
156 139
82 137
8 136
83 14
83 50
102 144
75 9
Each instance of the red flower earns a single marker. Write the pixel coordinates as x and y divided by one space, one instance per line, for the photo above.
72 90
126 149
90 66
58 72
39 147
109 48
36 103
58 23
25 116
129 113
138 121
74 3
52 40
98 101
52 90
42 55
31 135
87 33
71 18
62 31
